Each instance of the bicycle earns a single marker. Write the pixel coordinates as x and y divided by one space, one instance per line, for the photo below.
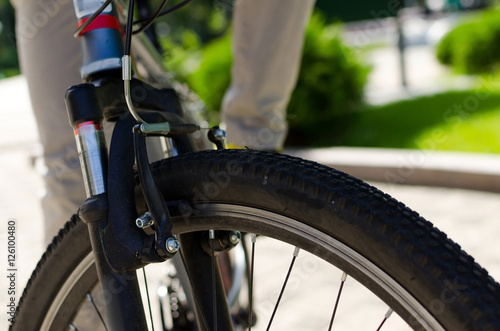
197 204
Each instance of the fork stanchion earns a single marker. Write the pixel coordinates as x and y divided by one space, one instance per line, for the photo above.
86 118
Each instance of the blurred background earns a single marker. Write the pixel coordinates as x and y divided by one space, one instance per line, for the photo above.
410 68
420 72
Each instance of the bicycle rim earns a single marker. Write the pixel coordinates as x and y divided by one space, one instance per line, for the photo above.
267 225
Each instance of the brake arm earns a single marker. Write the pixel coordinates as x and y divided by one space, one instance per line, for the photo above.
165 244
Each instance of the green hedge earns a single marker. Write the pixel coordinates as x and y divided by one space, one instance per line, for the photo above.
474 46
213 75
329 88
9 65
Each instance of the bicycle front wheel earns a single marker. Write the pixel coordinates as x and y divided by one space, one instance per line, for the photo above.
344 229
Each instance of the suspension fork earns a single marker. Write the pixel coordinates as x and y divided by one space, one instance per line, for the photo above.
106 212
118 245
124 309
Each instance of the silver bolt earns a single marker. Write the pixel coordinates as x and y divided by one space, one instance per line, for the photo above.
172 245
234 237
220 134
144 221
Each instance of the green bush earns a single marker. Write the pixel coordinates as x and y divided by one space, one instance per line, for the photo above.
474 46
9 65
213 77
329 88
205 68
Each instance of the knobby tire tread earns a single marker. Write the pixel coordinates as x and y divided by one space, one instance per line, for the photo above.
370 221
31 306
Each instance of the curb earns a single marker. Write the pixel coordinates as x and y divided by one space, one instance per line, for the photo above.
471 171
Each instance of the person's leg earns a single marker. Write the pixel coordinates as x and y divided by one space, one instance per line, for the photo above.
50 59
267 46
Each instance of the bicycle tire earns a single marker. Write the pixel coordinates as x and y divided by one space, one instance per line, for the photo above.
391 250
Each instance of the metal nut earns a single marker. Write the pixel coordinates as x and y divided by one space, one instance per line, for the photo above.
172 245
234 237
144 221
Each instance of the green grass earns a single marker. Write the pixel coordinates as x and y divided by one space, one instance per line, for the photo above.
467 121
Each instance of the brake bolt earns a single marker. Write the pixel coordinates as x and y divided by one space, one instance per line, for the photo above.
172 245
235 237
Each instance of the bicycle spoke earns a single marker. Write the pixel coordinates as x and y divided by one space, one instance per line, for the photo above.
387 315
91 299
295 254
147 296
211 235
342 281
162 292
250 285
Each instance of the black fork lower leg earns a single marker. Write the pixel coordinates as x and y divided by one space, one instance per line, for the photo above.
120 290
124 308
198 266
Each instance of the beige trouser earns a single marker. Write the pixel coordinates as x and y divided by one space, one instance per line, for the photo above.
267 44
50 59
268 37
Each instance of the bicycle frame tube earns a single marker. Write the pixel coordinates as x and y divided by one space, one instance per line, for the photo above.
105 29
